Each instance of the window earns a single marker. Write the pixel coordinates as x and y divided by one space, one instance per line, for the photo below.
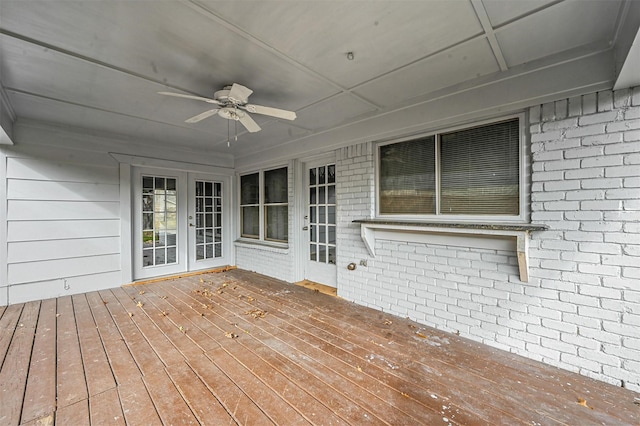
264 205
466 173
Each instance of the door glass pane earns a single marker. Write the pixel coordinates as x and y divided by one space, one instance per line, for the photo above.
322 213
159 221
210 194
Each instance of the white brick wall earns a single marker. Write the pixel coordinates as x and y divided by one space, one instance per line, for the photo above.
580 309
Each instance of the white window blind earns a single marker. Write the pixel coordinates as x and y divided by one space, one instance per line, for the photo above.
480 170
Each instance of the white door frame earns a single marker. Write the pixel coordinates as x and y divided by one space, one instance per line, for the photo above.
127 162
301 235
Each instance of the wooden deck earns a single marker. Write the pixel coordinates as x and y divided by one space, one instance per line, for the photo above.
240 348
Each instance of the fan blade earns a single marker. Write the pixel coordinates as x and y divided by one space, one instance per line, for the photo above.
239 93
248 122
273 112
197 98
202 116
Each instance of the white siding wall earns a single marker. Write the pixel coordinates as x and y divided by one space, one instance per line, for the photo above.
580 309
63 226
60 199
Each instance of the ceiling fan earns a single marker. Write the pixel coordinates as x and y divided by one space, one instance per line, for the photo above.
233 102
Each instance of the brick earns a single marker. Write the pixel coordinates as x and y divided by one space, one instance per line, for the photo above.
601 248
622 148
564 164
579 132
601 117
582 152
602 161
543 332
580 362
579 300
625 170
603 183
605 100
561 109
599 291
534 114
589 103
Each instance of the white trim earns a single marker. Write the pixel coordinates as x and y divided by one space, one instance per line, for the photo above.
157 163
126 223
4 269
524 160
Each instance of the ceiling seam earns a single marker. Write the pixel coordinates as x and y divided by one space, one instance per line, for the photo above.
483 17
202 9
88 59
94 108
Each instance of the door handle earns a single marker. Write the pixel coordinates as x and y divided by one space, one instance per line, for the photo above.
305 228
191 224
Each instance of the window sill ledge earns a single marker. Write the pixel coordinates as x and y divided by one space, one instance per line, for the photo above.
262 245
520 232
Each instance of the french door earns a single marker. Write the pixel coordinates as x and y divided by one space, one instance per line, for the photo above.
181 222
320 223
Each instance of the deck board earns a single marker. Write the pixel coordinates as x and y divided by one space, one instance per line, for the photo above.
237 348
15 368
40 394
71 384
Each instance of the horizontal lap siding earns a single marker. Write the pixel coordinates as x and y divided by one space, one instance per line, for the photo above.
63 224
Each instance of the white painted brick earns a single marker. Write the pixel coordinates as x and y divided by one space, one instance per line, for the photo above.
625 170
610 138
545 352
579 278
560 124
579 132
582 152
580 362
632 113
632 136
549 155
548 111
599 356
622 148
622 98
561 108
601 248
534 114
605 100
600 291
602 161
560 185
562 165
601 226
635 96
584 236
604 183
628 124
589 103
575 106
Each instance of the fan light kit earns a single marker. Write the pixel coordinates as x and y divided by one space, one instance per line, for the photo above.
234 105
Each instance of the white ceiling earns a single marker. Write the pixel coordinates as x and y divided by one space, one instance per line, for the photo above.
99 64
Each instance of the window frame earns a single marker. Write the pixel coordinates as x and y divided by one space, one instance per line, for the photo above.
523 181
262 208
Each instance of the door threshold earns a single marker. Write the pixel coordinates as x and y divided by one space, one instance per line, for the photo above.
182 275
320 288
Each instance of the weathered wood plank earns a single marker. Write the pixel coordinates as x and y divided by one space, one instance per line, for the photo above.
96 366
8 324
72 386
205 328
136 403
122 363
173 409
233 399
40 394
73 414
104 408
14 372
